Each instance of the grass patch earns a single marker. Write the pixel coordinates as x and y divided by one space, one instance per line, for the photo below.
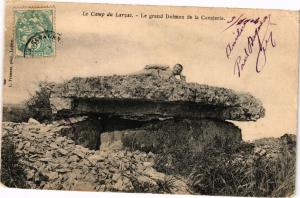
248 171
12 172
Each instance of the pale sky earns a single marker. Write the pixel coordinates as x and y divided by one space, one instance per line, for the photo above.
95 46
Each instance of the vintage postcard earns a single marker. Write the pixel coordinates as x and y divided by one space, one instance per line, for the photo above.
150 99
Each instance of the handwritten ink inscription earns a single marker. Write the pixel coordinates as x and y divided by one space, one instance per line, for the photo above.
258 41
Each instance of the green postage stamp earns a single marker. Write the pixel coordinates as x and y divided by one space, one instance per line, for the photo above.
34 32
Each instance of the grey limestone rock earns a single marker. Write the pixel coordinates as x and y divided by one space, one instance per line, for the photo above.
153 94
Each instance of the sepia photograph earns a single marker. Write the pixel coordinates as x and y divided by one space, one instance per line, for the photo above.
150 99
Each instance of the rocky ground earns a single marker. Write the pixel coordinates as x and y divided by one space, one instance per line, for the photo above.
265 167
52 161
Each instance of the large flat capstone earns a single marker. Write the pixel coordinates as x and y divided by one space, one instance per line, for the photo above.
152 94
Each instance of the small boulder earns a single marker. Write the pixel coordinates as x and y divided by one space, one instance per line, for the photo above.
79 153
84 186
153 174
30 174
33 121
60 139
73 158
116 176
146 182
63 151
123 184
50 175
148 164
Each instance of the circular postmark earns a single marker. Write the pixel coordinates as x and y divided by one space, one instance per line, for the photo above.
41 43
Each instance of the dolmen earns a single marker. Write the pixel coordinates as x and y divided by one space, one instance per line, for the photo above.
158 96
